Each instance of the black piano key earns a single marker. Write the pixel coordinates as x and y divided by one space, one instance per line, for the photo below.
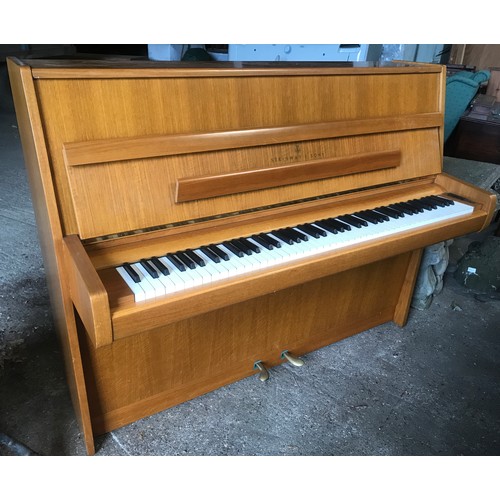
283 236
233 249
430 201
422 204
367 217
210 254
399 211
328 227
300 234
438 201
393 214
160 266
185 260
241 246
407 209
353 221
248 243
149 268
346 227
176 262
218 251
415 206
263 242
195 258
311 230
447 201
379 216
272 241
131 272
297 236
336 224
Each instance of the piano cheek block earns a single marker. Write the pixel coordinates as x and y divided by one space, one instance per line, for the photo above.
87 292
143 188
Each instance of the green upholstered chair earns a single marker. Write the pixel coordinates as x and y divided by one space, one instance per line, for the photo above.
461 88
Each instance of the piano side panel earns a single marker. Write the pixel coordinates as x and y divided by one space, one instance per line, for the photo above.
50 237
94 109
486 199
149 372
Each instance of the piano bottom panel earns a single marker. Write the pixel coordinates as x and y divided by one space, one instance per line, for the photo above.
140 375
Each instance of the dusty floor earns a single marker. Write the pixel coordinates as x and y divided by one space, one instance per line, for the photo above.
431 388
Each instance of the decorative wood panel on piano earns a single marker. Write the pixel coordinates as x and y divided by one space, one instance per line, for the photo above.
199 220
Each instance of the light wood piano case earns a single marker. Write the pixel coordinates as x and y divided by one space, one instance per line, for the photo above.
134 160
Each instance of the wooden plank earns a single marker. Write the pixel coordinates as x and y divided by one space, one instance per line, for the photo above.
109 150
202 187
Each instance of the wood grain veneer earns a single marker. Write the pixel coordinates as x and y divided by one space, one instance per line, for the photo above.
90 152
208 186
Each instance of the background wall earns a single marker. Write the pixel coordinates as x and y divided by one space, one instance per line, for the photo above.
480 56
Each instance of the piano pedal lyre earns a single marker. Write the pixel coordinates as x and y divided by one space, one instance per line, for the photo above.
264 373
292 359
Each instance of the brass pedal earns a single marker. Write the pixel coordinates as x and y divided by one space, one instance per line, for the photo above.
264 374
292 359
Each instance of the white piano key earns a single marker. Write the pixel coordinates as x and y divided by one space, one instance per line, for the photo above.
191 277
206 277
174 274
216 270
270 255
145 285
170 284
154 282
136 289
235 264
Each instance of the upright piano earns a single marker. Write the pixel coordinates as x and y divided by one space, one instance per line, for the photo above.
204 222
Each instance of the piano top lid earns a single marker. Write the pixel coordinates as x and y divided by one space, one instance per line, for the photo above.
119 68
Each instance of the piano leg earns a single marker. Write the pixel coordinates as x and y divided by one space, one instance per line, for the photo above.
403 305
75 373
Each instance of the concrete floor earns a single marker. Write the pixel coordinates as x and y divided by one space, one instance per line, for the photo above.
431 388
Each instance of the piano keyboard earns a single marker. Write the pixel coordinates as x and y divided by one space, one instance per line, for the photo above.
160 276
